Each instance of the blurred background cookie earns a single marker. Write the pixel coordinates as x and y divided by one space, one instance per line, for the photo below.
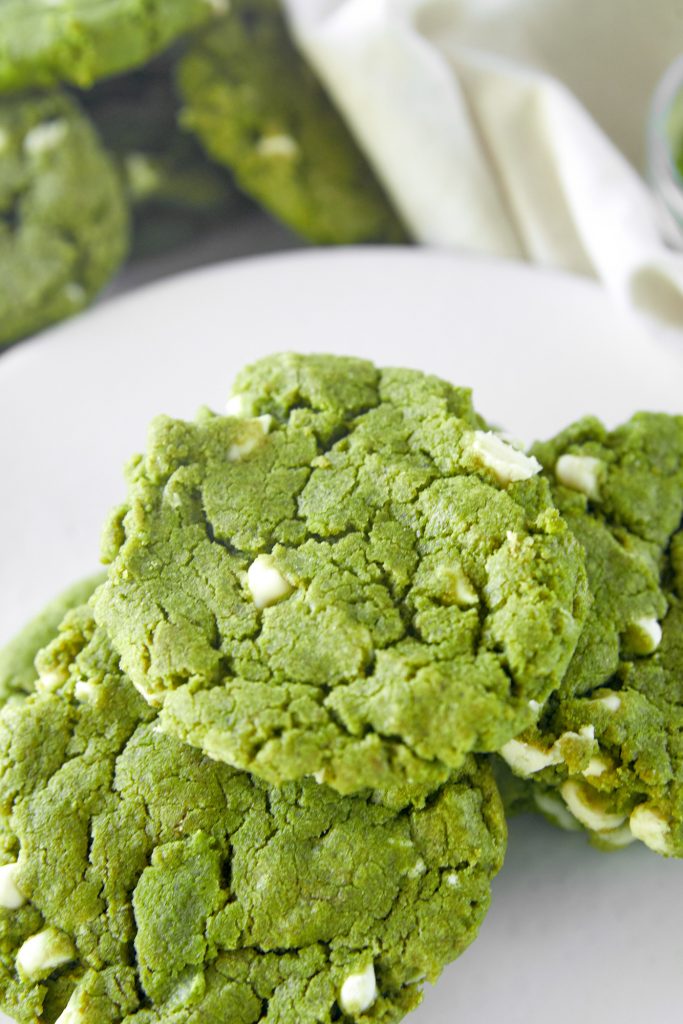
258 108
77 43
64 224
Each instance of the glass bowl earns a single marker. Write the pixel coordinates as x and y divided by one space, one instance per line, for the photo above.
665 152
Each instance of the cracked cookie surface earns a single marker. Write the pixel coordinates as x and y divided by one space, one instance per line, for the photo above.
63 215
142 882
607 752
352 578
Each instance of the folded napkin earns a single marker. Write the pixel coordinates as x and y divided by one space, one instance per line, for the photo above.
511 127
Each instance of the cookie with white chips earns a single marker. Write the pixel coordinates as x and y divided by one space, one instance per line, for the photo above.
346 577
257 108
142 882
607 753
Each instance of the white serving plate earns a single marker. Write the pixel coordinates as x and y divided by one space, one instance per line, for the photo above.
573 934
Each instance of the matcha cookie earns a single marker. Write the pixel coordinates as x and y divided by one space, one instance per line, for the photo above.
143 882
349 577
17 670
607 752
63 215
614 759
80 41
257 108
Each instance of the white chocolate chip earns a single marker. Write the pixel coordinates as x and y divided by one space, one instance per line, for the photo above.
596 766
142 175
237 406
580 473
45 137
611 702
418 869
71 1014
465 594
453 880
552 806
85 692
219 6
535 706
645 635
266 582
11 898
651 828
591 815
239 449
358 992
43 953
278 146
525 759
505 462
617 838
48 682
75 293
457 587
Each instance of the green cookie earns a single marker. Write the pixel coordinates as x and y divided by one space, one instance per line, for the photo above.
18 673
348 577
63 215
607 751
256 107
43 42
143 882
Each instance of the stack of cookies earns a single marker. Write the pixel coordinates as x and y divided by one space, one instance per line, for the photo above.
253 772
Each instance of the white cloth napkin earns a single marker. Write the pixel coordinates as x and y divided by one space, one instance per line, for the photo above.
512 127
